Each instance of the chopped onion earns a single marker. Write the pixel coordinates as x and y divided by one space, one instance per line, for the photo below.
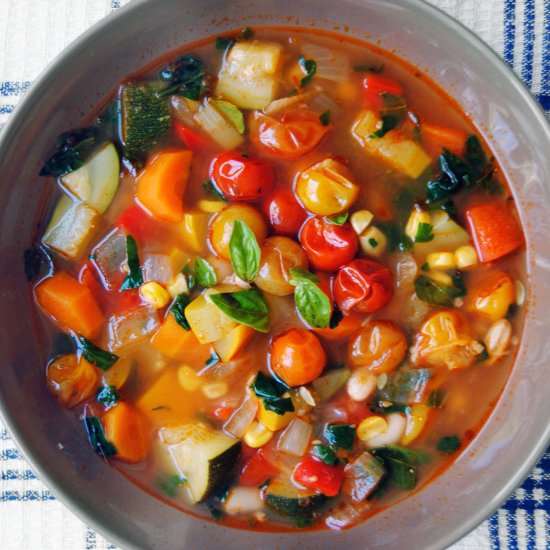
216 125
406 269
414 312
132 326
184 109
159 268
330 64
284 103
295 439
323 102
348 514
108 256
240 420
243 500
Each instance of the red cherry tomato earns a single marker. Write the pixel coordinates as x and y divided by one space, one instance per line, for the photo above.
366 286
328 246
240 178
291 135
317 475
284 212
374 85
257 470
193 141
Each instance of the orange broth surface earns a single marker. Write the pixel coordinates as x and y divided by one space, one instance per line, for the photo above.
170 382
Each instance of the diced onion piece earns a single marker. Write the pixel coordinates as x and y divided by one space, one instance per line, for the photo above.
240 420
396 428
327 385
406 270
218 127
158 268
108 256
184 109
323 102
285 103
131 327
414 312
243 500
347 514
331 65
295 439
71 228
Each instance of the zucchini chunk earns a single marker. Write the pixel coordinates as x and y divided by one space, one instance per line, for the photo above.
288 500
202 455
146 117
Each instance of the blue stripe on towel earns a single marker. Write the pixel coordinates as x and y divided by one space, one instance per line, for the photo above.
509 30
8 88
528 42
545 80
26 496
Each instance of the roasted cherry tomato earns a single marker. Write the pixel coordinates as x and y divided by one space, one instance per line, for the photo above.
328 246
314 474
291 135
240 178
284 212
366 286
257 470
297 357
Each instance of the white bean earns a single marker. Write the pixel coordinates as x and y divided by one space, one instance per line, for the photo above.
361 384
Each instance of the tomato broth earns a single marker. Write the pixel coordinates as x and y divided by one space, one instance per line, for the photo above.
283 281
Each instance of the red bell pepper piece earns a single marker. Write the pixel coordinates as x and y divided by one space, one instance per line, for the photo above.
192 141
495 231
137 223
257 470
314 474
374 85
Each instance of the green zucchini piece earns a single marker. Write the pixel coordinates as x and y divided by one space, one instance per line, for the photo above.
290 501
146 117
204 456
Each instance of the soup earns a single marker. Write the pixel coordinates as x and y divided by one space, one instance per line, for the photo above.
281 280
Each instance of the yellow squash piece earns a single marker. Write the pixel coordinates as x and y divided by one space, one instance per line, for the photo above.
194 229
273 421
493 297
207 321
230 345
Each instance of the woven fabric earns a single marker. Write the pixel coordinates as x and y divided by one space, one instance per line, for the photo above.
32 33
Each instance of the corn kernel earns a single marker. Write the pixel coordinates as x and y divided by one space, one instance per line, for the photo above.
154 294
441 260
178 286
360 220
210 206
215 390
273 421
371 426
497 339
373 242
465 257
257 435
417 217
440 277
188 378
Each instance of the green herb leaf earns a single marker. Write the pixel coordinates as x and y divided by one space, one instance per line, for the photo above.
96 437
435 293
340 435
247 33
459 283
232 113
248 307
271 391
340 219
402 464
325 118
436 399
408 386
211 189
448 444
373 242
299 275
214 359
97 356
244 251
279 406
205 275
324 454
178 310
393 105
224 43
134 279
397 238
309 67
424 233
37 262
389 122
474 152
169 485
108 396
185 76
425 266
312 303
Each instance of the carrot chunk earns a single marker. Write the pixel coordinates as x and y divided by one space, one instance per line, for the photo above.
161 184
435 138
127 430
495 231
70 303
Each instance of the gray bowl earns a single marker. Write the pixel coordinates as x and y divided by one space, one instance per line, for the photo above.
517 431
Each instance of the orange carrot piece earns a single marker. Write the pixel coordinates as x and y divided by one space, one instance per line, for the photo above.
495 231
161 185
435 138
177 343
127 430
70 303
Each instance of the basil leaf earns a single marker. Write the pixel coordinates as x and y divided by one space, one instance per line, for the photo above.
313 304
232 113
96 437
436 399
459 284
435 293
402 464
340 435
178 310
300 275
97 356
244 251
224 43
325 454
185 76
397 238
247 307
309 67
474 152
204 273
389 122
424 233
448 444
108 396
325 118
189 277
407 387
279 406
339 220
270 390
170 485
134 279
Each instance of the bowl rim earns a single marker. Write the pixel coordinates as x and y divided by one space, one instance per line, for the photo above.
74 50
